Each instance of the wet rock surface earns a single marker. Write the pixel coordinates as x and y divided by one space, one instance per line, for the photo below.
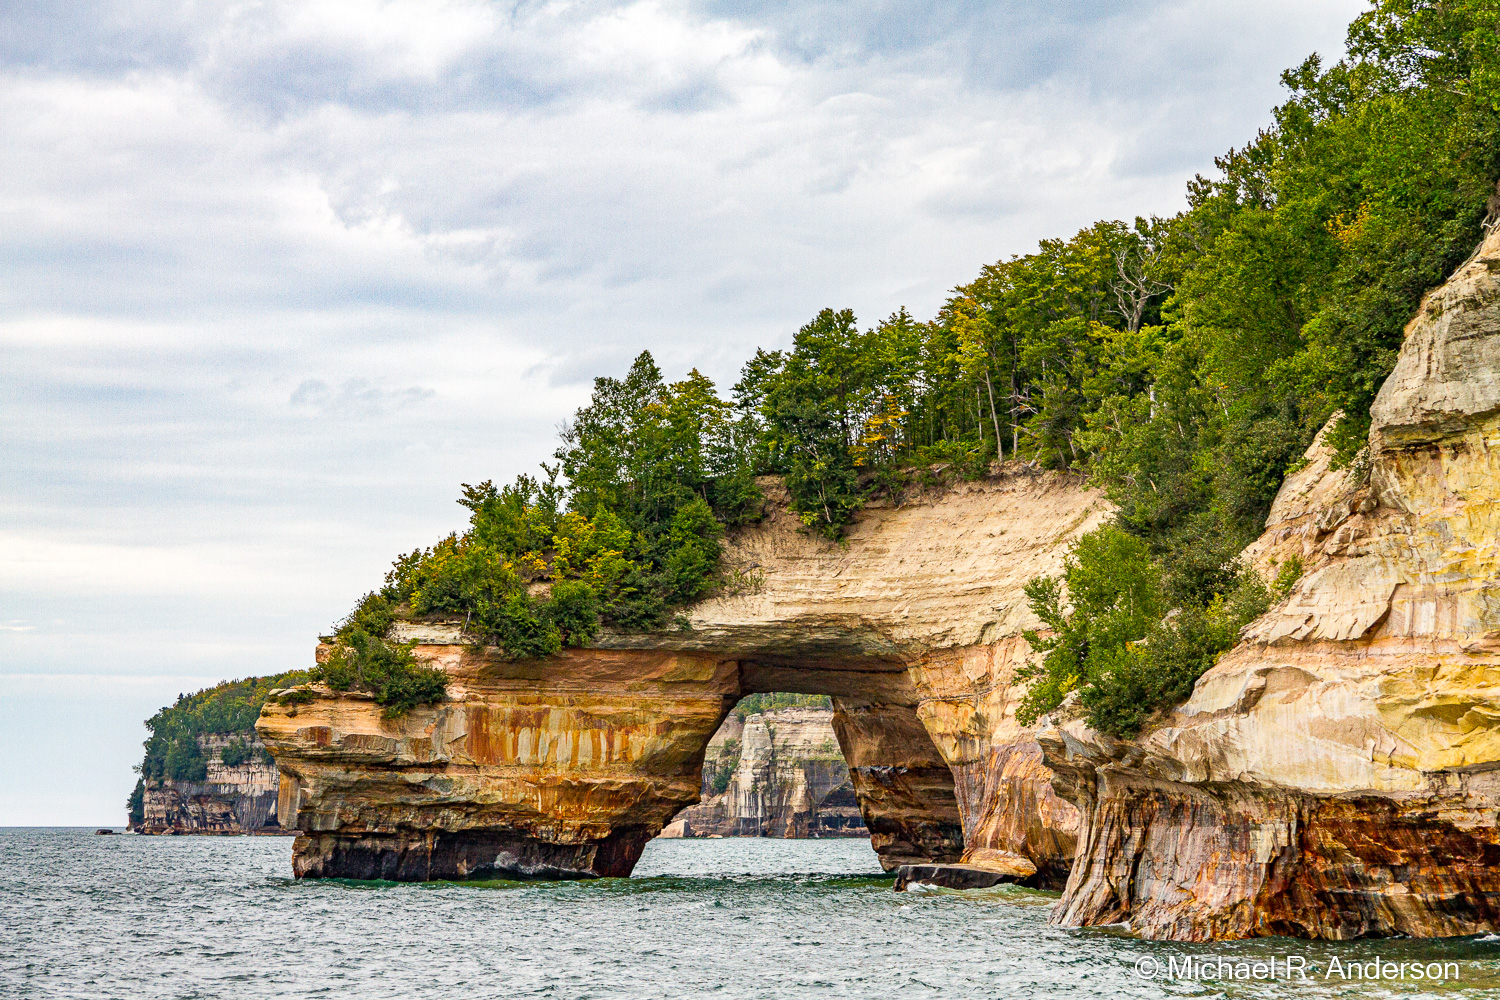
952 877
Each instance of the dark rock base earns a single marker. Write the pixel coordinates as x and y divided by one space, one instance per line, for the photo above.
426 856
1271 862
951 877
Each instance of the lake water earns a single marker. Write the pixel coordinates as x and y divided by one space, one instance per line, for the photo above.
189 917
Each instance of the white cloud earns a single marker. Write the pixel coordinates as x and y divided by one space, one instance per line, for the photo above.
280 276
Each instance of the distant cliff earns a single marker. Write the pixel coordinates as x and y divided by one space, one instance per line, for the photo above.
205 769
776 774
239 798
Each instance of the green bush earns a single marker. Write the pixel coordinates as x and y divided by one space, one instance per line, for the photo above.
1115 642
724 767
388 670
574 609
135 806
235 753
693 554
373 615
522 625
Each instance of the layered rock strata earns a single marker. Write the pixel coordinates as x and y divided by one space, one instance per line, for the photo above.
782 775
230 800
1337 774
565 767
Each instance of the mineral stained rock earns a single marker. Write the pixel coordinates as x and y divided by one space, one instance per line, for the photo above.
782 775
1337 774
565 767
230 800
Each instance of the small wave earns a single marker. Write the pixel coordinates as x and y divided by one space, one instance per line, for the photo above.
923 889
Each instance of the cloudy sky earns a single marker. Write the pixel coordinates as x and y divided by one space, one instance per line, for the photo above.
276 277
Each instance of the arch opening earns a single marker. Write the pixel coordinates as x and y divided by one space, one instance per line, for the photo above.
565 768
827 751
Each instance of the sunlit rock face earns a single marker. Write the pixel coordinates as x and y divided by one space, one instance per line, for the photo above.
230 800
565 767
557 768
1335 775
1004 791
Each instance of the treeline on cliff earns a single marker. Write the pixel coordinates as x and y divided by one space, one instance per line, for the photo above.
175 751
1183 363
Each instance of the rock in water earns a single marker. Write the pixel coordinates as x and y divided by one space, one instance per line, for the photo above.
566 767
955 876
1335 774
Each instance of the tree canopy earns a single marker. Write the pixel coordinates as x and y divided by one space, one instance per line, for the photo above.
1184 363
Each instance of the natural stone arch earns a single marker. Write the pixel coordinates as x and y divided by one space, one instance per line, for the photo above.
566 767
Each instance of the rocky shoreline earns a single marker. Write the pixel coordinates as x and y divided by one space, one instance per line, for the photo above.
1333 776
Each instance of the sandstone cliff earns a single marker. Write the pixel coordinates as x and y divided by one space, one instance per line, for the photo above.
784 777
565 767
231 799
1335 775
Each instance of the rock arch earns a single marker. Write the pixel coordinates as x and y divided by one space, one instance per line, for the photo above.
566 767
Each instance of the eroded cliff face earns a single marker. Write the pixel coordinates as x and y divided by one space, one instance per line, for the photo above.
1335 775
555 768
786 777
565 767
230 800
1005 794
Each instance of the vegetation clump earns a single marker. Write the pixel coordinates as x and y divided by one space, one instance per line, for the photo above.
388 670
756 704
1115 641
655 474
723 768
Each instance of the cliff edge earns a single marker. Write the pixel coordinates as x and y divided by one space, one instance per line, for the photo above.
1335 774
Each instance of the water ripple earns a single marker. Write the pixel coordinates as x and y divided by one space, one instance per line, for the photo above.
106 917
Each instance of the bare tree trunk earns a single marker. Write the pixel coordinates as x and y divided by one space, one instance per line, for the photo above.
994 417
